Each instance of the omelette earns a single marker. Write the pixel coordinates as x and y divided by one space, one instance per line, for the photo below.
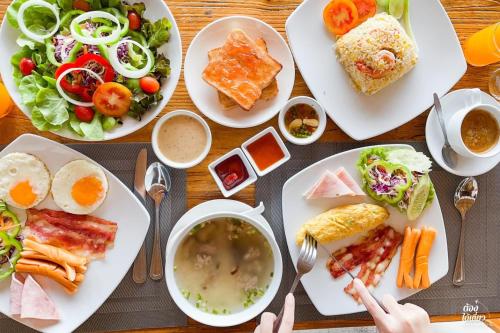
342 222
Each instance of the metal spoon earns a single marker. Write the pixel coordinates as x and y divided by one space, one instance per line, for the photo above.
465 196
158 184
449 155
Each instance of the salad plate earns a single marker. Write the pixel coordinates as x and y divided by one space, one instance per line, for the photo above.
205 96
440 65
326 293
102 276
12 39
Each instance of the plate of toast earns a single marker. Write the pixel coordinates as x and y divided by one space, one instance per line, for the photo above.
239 71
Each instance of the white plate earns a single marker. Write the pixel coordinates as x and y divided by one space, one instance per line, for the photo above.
441 64
326 293
452 103
172 50
102 276
205 97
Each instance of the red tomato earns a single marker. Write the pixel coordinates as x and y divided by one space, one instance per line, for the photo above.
134 21
84 114
26 65
81 5
112 99
340 16
149 84
366 9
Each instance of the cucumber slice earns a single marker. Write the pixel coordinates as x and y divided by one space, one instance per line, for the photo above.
418 198
396 8
383 4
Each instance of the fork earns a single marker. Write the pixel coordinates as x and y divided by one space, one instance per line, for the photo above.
307 258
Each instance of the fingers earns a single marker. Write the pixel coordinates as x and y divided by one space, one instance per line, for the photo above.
266 322
371 305
288 315
391 305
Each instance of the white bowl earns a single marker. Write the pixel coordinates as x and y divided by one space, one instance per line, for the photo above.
234 318
172 50
280 142
321 117
166 160
252 177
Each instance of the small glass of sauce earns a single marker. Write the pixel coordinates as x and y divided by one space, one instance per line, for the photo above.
480 131
301 120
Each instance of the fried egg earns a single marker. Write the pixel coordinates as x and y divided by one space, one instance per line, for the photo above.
24 180
79 187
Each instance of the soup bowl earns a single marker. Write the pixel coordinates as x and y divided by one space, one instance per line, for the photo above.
224 320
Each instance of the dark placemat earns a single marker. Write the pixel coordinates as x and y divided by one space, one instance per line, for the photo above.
482 232
132 306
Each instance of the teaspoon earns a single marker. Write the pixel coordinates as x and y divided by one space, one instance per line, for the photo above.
449 155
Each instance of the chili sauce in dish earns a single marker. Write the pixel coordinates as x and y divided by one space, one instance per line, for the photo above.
265 151
301 120
232 172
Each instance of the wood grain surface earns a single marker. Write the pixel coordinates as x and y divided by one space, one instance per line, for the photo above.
467 17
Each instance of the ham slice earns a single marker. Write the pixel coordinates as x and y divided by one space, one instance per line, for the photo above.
347 179
84 235
16 292
328 186
35 303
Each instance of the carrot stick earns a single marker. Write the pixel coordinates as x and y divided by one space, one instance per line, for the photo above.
410 241
422 259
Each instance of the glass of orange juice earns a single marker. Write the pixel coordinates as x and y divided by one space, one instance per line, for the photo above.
6 104
483 48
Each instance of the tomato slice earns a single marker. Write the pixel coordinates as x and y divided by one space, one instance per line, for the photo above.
340 16
112 99
366 9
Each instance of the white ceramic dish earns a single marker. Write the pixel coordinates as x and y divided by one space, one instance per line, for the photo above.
172 50
280 142
319 111
133 224
252 177
253 217
451 103
441 64
166 160
205 97
326 293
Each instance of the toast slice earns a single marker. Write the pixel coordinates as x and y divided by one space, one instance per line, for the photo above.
268 92
241 69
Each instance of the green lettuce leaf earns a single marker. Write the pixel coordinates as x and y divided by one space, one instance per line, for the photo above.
38 120
24 52
52 106
93 130
65 5
138 7
157 33
141 103
29 87
367 156
74 124
161 68
23 41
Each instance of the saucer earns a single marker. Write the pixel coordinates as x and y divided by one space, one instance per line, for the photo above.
466 166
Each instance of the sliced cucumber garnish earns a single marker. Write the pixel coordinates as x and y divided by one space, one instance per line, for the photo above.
396 8
418 198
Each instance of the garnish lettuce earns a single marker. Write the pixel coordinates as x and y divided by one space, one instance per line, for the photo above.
157 33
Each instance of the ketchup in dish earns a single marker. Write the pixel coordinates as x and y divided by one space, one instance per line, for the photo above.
232 172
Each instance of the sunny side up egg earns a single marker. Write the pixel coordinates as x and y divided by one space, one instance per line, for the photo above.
24 180
79 187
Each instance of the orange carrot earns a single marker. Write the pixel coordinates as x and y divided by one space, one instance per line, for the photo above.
410 241
422 259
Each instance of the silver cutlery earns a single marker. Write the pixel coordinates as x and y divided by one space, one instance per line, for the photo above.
330 254
307 258
140 262
465 197
157 185
449 155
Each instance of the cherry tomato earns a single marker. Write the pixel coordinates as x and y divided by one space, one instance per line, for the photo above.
112 99
84 113
26 65
134 21
340 16
149 84
81 5
366 9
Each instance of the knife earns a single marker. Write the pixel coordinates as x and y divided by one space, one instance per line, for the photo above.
330 254
139 270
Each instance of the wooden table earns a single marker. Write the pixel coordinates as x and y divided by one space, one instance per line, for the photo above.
192 15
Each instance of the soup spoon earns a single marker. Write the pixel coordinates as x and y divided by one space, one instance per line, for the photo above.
158 184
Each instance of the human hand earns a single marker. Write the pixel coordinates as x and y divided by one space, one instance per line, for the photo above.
267 319
407 318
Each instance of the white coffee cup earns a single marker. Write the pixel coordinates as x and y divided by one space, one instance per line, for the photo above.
454 125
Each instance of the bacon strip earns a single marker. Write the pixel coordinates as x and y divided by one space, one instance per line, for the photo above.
374 253
83 235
